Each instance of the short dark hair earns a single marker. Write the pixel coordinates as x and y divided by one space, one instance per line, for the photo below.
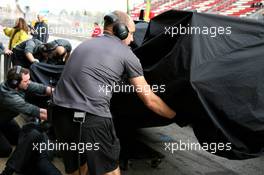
13 75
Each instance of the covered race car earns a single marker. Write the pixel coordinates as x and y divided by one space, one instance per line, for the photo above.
212 68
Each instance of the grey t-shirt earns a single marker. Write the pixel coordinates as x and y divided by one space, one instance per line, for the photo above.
28 46
94 67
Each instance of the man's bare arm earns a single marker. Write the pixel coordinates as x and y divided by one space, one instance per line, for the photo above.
31 58
151 100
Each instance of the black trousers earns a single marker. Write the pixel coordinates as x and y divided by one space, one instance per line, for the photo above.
9 132
68 132
29 161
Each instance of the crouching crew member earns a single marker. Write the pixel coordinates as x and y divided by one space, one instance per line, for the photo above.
12 103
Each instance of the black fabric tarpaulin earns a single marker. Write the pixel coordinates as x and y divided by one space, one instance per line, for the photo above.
213 69
46 73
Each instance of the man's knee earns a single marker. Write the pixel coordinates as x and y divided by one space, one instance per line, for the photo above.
32 134
35 136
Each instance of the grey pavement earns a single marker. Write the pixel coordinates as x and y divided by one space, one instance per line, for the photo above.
196 162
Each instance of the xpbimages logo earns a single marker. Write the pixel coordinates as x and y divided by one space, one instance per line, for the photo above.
59 146
64 30
192 146
107 89
197 30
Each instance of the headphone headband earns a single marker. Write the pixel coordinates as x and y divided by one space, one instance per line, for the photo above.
13 83
18 70
120 30
111 17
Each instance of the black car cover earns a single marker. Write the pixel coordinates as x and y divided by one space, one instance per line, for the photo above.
212 67
46 73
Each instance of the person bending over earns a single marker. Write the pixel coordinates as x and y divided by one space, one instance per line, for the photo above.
33 50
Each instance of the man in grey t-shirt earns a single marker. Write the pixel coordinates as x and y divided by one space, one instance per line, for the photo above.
93 69
26 53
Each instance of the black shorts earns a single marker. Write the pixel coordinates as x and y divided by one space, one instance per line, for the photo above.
102 146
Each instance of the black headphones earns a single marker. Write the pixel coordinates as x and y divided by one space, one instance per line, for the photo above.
48 47
13 83
120 30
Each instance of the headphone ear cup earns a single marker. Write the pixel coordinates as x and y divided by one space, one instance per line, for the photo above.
43 48
13 84
120 30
